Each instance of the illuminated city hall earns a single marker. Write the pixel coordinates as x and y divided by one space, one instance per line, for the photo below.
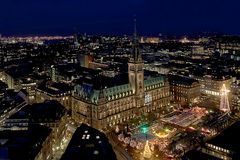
101 106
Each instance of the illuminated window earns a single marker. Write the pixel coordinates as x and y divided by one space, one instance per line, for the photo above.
148 98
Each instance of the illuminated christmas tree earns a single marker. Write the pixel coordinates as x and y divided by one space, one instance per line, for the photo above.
224 104
147 151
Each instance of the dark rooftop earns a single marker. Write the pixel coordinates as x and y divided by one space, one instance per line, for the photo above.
20 71
100 81
229 138
197 155
181 80
150 74
22 144
3 86
55 88
9 102
89 143
74 70
49 111
22 114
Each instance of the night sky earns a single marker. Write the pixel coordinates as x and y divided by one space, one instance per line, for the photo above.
63 17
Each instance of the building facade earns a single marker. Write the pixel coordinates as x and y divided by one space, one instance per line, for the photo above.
60 92
211 88
107 107
235 89
184 90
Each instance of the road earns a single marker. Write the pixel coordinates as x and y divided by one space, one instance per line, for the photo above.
60 149
119 151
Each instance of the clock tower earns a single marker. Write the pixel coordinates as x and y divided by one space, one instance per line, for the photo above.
135 67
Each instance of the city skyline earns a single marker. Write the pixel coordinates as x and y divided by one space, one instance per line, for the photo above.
116 18
119 80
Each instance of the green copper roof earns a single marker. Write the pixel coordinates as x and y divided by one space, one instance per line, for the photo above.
154 81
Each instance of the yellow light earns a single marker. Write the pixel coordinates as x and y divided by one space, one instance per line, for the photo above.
147 152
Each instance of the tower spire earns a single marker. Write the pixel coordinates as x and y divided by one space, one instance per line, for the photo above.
135 30
136 66
136 53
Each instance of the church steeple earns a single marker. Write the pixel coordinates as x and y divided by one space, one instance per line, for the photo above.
136 55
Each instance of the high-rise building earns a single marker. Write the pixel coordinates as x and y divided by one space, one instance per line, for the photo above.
53 73
85 60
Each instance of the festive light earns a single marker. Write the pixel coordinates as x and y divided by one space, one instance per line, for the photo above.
117 129
139 146
133 143
121 137
224 103
127 140
147 151
144 129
